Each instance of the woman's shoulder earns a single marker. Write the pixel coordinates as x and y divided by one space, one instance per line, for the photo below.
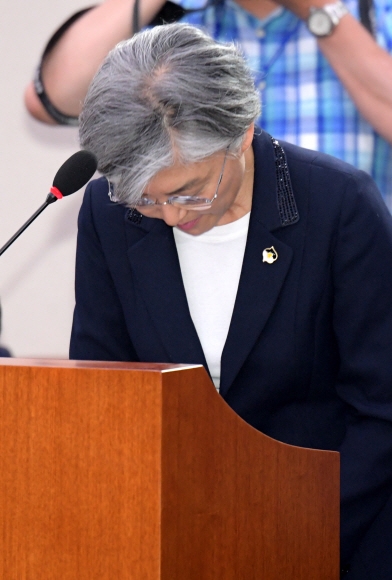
335 192
98 209
323 176
97 197
99 188
321 162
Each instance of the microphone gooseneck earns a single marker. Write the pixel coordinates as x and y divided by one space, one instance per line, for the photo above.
74 173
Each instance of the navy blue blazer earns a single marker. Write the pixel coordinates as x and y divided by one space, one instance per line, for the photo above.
308 357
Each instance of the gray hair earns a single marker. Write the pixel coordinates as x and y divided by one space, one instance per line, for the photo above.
169 93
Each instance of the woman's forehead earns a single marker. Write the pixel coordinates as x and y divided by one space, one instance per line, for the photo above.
181 178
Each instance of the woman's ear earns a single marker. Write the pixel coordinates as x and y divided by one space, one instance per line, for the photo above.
248 138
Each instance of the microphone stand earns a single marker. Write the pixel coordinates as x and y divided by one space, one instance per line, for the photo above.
51 198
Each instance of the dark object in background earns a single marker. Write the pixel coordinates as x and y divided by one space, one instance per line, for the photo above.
4 352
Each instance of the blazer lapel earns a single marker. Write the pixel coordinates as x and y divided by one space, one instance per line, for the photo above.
258 290
157 274
260 281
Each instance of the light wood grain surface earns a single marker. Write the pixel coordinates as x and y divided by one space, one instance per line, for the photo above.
120 471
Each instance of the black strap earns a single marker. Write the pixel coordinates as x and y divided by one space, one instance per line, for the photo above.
367 16
58 116
135 18
170 12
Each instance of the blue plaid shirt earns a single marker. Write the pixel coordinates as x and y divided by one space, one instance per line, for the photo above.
303 101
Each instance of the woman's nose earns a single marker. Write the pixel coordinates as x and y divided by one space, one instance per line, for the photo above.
171 214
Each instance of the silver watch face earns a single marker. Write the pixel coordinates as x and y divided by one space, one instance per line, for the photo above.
320 23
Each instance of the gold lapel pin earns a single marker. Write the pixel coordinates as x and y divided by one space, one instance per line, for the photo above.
270 255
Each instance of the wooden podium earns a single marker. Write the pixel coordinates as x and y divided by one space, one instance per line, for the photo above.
120 471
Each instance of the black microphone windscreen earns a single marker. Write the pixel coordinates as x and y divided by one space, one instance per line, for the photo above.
75 172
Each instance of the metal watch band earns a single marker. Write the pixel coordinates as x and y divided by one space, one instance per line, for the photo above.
336 11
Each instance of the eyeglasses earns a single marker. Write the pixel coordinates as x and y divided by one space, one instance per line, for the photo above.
188 201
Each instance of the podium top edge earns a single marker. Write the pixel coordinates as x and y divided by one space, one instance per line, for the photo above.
85 364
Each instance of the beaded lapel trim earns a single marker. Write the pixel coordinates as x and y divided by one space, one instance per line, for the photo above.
287 207
134 216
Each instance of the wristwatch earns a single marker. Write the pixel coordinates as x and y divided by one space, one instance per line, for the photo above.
322 21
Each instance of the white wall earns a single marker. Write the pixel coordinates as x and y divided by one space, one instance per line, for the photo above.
37 271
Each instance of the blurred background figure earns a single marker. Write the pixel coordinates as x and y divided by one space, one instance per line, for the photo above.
323 70
3 351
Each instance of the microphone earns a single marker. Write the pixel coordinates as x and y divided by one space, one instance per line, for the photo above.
72 176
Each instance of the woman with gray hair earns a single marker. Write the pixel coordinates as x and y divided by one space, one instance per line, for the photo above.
172 95
207 241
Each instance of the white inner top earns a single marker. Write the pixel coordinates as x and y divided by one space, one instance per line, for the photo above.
211 266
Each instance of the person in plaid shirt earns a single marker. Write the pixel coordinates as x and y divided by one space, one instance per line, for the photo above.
330 93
